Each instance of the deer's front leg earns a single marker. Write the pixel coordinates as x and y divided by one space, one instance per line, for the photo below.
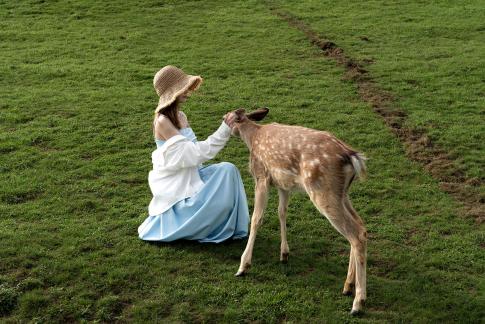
260 201
282 208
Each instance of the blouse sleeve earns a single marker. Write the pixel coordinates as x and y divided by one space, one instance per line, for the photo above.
189 133
183 153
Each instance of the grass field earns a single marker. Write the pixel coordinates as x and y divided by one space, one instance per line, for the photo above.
76 103
429 55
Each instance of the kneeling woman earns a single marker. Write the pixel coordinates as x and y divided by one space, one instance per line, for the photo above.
190 201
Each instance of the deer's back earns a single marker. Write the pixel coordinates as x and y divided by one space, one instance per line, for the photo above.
295 155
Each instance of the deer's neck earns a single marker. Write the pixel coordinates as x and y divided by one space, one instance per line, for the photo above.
247 131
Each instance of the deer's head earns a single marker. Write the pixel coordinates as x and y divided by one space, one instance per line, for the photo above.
243 117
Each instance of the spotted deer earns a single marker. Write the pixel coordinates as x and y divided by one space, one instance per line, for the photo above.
294 157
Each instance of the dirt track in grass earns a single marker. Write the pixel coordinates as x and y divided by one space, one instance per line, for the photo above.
419 147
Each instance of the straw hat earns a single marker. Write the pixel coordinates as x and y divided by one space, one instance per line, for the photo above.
170 82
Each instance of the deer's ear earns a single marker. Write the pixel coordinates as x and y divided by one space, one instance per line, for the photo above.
258 114
241 114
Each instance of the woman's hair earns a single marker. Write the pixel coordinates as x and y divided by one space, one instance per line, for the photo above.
172 113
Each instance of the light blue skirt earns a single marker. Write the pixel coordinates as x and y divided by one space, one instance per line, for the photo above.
216 213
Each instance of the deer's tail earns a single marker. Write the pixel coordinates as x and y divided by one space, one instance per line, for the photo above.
358 163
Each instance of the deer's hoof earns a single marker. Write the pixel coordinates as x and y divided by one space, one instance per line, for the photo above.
357 309
356 312
347 292
284 258
348 289
240 273
242 270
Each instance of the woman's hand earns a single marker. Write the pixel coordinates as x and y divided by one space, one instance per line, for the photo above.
230 119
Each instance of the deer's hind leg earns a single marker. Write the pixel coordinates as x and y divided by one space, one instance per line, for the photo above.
282 208
351 210
350 281
333 207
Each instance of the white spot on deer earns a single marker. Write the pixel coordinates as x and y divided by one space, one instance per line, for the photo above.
315 162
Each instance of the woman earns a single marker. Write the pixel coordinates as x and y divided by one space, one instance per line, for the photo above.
190 201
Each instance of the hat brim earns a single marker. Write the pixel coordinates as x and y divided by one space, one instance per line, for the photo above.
194 83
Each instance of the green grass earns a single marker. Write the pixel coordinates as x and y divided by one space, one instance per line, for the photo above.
75 114
428 54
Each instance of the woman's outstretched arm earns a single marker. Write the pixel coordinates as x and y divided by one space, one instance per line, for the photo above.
178 152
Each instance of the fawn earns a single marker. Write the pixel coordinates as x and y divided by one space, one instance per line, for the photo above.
292 158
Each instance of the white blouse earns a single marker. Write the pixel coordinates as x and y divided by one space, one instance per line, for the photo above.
175 174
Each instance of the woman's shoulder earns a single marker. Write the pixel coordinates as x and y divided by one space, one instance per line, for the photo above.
163 120
165 127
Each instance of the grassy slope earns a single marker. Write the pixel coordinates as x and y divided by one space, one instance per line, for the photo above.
428 54
76 105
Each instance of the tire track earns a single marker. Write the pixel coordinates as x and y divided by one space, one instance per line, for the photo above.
419 147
